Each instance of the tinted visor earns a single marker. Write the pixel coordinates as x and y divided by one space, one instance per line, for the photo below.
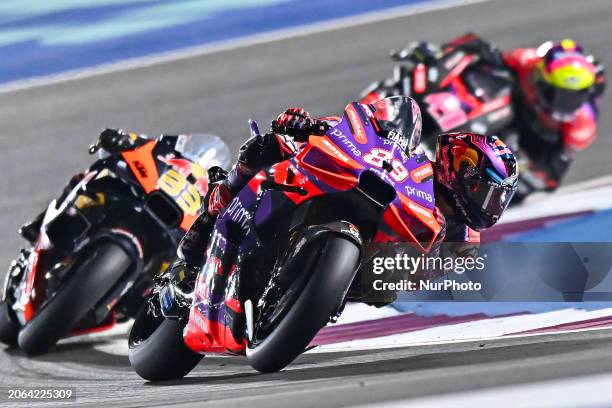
564 100
490 197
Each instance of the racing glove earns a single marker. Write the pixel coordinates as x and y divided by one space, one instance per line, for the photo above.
116 140
293 122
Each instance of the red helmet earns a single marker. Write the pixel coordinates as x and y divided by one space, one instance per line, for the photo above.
477 175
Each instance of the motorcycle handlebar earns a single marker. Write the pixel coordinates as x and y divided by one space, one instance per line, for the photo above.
318 127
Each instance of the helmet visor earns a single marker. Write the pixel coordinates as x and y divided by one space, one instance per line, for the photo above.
491 197
564 101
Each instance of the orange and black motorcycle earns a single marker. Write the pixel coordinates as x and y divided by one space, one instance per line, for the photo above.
100 246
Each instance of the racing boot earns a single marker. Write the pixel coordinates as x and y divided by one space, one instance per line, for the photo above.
30 231
175 291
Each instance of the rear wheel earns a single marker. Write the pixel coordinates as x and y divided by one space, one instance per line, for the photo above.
157 351
306 304
93 278
8 328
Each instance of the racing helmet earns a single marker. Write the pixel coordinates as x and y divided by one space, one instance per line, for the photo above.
563 77
477 174
398 118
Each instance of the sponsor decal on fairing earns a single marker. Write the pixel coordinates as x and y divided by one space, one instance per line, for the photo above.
357 125
422 173
346 142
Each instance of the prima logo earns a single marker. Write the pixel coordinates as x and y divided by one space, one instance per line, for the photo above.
412 191
239 215
346 142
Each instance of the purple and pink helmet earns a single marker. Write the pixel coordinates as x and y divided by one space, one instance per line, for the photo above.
477 175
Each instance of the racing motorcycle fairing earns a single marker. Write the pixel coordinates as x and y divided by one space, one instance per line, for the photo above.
348 167
157 167
456 95
143 199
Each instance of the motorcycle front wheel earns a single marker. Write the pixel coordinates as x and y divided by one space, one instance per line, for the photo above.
316 293
93 277
157 351
8 328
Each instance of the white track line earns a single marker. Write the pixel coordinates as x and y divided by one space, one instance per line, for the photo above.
486 329
587 391
218 46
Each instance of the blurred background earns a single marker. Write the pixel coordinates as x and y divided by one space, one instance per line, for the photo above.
71 68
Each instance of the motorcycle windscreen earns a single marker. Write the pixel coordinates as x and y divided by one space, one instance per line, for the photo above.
399 119
205 150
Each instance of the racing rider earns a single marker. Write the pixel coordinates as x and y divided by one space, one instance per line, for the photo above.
114 141
556 91
475 177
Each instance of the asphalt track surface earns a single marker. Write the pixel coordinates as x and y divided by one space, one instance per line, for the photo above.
46 131
321 379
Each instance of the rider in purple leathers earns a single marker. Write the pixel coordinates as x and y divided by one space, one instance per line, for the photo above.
475 178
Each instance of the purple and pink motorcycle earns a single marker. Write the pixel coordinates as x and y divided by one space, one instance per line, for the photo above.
286 254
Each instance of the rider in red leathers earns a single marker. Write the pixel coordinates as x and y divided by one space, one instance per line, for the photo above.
548 115
564 88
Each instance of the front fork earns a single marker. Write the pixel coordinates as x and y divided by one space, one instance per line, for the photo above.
216 319
16 272
173 294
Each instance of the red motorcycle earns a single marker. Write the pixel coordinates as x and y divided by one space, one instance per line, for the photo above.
285 255
456 93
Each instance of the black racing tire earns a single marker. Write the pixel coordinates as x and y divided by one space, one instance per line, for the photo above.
91 280
321 297
9 329
157 351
